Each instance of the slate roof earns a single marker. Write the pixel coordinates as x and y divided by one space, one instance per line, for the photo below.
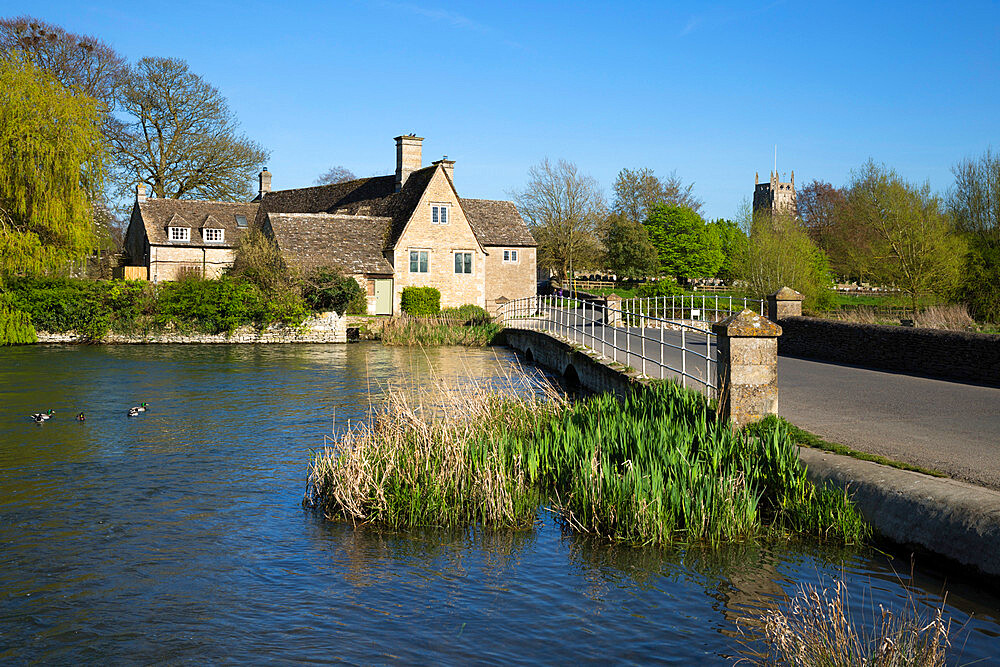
353 242
497 223
158 214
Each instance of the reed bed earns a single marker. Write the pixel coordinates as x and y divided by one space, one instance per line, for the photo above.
816 628
654 468
439 331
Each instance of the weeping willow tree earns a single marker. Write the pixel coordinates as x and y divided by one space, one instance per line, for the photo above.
51 153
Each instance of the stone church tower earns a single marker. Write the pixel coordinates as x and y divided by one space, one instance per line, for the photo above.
774 196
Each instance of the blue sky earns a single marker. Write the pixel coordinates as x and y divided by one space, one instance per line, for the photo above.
706 89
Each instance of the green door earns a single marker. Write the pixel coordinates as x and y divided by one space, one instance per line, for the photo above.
383 296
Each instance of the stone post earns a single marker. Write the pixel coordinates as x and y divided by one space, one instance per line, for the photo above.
747 367
786 302
613 310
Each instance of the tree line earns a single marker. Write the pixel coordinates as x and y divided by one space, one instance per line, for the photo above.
878 228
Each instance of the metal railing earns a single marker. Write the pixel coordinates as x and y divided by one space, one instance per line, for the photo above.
687 308
641 334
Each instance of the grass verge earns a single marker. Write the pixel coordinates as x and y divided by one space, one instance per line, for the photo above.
656 467
806 439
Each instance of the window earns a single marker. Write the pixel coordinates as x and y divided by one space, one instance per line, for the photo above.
180 233
463 262
418 261
439 214
510 256
241 221
213 235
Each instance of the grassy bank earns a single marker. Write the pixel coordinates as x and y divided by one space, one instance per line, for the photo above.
406 330
654 468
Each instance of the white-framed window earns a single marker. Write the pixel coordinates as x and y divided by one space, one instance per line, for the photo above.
419 261
510 256
180 233
463 262
213 235
440 213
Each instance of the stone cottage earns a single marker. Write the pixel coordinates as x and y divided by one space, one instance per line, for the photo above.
410 228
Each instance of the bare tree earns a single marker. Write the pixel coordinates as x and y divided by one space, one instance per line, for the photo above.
333 175
975 198
637 191
181 137
79 62
563 208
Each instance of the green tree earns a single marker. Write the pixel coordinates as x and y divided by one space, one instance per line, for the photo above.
732 242
779 253
914 247
687 247
974 201
638 190
180 136
563 208
628 252
50 169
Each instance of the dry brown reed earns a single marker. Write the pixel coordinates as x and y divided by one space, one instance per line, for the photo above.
816 628
953 317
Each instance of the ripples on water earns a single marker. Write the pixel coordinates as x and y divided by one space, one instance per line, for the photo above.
178 535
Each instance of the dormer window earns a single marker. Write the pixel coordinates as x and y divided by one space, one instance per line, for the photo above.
213 235
439 214
182 234
241 221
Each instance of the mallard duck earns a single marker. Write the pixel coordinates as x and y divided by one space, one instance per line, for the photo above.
142 407
39 417
81 417
133 412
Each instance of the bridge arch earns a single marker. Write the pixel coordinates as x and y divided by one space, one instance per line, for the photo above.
571 377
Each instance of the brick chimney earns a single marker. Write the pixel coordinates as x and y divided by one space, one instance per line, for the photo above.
449 167
140 192
408 160
265 182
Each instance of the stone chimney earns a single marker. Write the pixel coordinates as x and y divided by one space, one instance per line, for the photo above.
449 167
140 192
408 160
265 182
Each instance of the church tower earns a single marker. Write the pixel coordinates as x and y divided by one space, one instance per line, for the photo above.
774 196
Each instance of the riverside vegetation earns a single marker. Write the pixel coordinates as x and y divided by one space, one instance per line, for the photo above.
654 468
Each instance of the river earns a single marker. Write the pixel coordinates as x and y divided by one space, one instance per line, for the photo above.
178 536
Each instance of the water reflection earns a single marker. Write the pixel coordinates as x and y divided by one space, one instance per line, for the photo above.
178 536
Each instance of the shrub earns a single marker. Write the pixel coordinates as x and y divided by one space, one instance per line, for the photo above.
15 325
469 314
327 288
257 259
420 301
215 306
665 287
63 304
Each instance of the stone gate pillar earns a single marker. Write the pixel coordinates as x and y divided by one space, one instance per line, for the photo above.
613 310
747 367
786 302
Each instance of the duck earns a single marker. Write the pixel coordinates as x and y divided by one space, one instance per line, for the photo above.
142 407
81 417
39 417
133 412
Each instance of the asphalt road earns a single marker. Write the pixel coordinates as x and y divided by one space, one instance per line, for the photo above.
950 427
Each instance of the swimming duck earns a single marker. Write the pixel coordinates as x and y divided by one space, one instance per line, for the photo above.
142 407
133 412
81 417
39 417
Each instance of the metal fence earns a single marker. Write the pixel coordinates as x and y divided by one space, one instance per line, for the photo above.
641 334
686 307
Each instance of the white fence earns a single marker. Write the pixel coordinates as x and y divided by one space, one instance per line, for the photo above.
661 337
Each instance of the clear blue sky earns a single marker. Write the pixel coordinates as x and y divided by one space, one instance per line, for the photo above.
706 89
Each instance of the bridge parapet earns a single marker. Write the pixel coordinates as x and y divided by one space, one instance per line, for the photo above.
747 366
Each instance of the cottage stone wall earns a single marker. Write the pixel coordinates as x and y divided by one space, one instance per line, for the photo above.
441 241
509 280
952 355
170 262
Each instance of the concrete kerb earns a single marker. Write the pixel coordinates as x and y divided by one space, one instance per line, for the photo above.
946 517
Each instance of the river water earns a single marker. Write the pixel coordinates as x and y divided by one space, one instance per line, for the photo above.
178 536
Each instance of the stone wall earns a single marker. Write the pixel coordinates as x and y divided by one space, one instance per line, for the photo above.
321 328
169 262
441 242
512 280
951 355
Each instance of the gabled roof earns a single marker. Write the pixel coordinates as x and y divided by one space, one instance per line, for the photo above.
158 214
497 223
352 242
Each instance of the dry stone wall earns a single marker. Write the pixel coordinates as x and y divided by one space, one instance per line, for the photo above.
321 328
952 355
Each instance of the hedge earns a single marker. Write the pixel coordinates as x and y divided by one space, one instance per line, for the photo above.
420 301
